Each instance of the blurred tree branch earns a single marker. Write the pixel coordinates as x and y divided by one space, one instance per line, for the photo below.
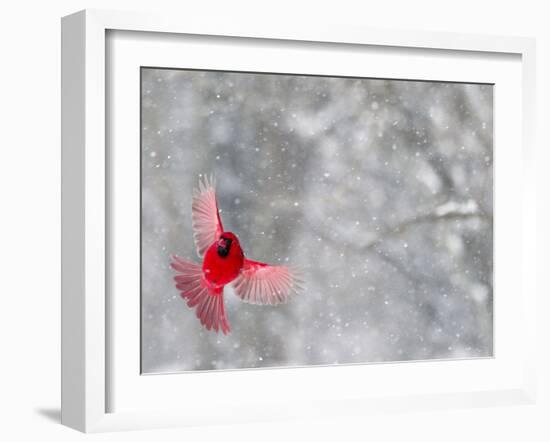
441 213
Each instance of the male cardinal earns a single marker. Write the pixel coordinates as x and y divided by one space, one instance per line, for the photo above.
224 262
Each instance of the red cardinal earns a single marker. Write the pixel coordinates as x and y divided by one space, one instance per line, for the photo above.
224 262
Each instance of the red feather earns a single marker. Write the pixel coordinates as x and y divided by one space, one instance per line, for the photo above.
260 283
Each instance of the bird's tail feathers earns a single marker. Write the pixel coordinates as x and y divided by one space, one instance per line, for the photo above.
207 301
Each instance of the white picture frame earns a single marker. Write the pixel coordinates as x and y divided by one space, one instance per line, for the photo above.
87 316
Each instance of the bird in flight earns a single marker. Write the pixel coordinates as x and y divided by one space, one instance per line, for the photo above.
202 286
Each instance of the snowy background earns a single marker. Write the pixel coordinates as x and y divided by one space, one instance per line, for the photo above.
380 189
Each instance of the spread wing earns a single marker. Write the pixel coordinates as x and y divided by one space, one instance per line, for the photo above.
207 225
260 283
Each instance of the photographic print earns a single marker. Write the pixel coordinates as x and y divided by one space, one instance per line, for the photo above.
299 220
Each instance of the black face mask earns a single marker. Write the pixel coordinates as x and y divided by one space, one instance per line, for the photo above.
223 251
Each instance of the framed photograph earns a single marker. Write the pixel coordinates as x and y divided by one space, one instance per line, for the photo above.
265 223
